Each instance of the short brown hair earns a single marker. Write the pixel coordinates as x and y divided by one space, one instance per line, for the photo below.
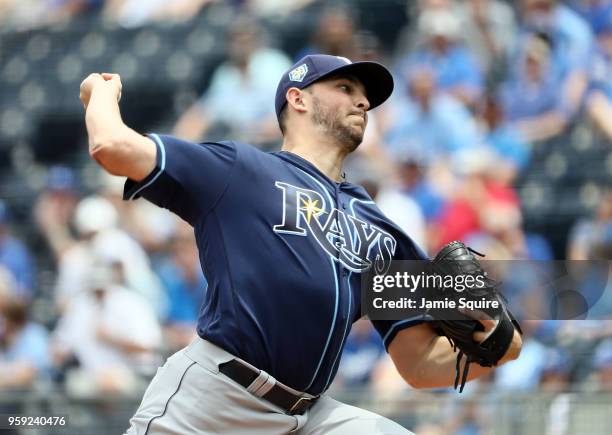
282 120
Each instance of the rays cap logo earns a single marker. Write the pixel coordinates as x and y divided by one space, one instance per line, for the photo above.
297 74
375 77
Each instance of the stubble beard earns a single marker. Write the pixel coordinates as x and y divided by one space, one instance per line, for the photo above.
330 120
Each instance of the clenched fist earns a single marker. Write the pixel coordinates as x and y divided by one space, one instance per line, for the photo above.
110 81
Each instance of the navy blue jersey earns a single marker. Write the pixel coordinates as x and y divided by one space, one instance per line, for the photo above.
282 246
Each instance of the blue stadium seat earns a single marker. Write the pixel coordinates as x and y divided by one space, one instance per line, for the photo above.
70 69
126 65
556 165
32 96
536 197
589 195
146 43
13 122
38 47
93 45
200 41
179 67
15 70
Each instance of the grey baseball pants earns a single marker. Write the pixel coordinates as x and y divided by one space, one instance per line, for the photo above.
188 395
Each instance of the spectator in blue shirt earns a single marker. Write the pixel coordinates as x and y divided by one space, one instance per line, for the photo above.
588 234
524 375
24 355
590 10
237 101
603 365
414 182
507 142
456 69
489 30
427 122
557 370
571 35
599 100
185 285
15 257
571 42
531 98
362 352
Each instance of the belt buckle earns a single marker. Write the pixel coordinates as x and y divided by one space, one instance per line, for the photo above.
300 406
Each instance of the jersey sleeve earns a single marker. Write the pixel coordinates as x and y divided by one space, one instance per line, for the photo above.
188 179
388 329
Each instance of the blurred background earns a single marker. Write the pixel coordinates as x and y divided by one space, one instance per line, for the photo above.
498 133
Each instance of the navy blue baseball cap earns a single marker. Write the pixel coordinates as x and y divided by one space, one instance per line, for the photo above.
376 79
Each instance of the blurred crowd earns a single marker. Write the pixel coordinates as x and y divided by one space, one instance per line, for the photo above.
479 84
126 290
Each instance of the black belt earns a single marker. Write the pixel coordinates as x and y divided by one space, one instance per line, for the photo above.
291 403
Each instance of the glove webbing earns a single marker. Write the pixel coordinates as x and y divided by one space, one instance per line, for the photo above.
466 367
497 343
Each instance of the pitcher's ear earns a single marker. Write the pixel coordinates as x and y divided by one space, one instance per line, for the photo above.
295 99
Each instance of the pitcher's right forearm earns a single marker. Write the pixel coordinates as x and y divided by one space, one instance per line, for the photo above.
103 118
113 145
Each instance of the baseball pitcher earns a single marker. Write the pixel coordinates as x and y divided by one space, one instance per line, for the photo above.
283 240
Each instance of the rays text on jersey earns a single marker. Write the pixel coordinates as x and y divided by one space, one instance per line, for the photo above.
354 242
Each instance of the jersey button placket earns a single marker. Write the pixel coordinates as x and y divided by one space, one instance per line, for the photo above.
340 204
345 271
341 269
345 293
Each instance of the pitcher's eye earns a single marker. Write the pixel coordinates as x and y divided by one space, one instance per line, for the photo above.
345 88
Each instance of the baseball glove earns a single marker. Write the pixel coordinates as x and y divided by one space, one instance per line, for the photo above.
457 259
